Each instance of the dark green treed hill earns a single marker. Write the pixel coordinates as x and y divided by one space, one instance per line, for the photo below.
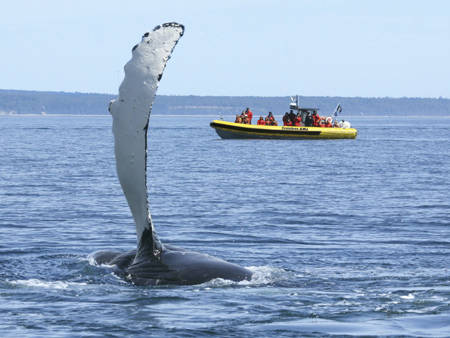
35 102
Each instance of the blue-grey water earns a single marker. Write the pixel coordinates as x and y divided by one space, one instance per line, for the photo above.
345 237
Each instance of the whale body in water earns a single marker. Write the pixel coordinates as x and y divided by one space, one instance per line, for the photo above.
153 262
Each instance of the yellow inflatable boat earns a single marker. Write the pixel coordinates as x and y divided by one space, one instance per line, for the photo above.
231 130
305 131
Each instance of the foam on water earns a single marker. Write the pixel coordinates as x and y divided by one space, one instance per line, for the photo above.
408 297
37 283
262 275
91 260
406 326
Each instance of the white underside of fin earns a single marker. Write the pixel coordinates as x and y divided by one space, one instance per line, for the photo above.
131 112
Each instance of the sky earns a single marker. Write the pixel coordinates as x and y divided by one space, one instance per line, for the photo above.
379 48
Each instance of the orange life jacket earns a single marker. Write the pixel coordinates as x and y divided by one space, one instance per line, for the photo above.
316 120
249 115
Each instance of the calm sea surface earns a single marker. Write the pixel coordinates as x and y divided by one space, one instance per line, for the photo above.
345 237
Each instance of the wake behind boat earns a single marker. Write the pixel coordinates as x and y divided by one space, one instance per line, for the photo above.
304 123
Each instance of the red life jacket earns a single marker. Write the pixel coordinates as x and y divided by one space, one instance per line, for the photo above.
261 122
249 115
316 120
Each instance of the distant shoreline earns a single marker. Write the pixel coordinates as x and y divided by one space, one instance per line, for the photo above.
227 117
65 103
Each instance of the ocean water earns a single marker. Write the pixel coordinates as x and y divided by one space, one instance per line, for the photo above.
345 237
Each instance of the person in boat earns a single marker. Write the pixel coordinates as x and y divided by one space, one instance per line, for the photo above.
322 123
270 120
238 119
336 124
261 121
243 116
292 116
316 119
285 119
308 120
289 123
328 123
298 120
249 114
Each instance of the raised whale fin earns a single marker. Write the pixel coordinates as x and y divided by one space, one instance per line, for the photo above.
131 112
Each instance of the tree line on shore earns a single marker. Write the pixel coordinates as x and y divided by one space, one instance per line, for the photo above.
36 102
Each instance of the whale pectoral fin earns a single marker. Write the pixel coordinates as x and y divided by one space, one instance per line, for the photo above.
131 112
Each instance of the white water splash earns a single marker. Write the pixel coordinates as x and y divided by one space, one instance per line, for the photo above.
45 284
262 275
409 296
91 260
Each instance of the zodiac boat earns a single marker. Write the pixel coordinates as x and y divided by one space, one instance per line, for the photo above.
231 130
